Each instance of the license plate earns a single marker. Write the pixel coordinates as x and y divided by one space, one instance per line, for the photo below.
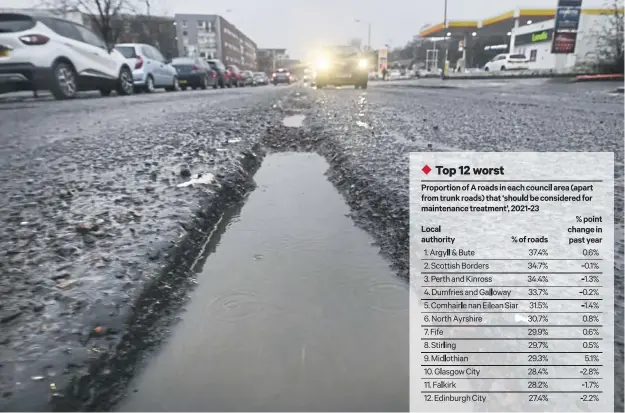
4 52
344 76
183 82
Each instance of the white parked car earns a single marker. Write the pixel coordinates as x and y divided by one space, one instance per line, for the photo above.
394 74
150 70
39 52
507 61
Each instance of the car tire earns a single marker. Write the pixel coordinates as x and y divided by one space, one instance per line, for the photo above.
125 84
105 91
215 85
175 87
65 82
221 83
149 84
503 68
363 86
204 83
486 69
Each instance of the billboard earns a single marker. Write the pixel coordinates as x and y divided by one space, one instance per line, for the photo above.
565 30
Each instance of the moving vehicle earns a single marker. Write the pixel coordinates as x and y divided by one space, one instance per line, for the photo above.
223 77
248 78
39 52
260 79
507 61
236 76
149 68
281 76
342 66
195 73
308 75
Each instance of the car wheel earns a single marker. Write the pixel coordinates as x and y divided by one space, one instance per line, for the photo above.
486 69
65 84
149 84
204 83
363 86
174 87
125 85
105 92
183 87
215 85
503 68
221 83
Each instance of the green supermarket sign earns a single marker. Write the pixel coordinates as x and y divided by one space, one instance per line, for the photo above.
534 37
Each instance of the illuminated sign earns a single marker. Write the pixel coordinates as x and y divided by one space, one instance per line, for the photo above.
534 37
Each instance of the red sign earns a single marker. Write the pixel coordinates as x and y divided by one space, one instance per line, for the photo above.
564 42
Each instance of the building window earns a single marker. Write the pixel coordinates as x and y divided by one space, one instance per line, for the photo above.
533 55
184 24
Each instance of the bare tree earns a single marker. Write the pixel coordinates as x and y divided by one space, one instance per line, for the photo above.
609 51
106 17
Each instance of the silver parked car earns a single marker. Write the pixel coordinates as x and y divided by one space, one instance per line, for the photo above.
150 70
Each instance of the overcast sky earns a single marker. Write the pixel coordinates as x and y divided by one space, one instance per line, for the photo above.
298 25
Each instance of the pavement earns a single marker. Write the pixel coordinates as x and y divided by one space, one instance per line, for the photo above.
109 201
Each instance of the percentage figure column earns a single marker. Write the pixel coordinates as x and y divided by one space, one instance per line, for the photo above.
512 275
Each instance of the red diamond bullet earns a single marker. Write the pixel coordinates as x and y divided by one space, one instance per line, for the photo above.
426 169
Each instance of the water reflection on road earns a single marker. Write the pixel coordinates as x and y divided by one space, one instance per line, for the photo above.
295 311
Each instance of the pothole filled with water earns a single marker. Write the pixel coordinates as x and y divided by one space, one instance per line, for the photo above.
294 311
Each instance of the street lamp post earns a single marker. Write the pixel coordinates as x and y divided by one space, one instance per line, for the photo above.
368 33
446 42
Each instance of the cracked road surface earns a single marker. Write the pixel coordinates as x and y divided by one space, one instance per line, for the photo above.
93 214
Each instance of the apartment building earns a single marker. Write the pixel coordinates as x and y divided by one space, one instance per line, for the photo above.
212 36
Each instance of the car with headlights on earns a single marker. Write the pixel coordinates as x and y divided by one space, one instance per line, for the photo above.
281 76
342 66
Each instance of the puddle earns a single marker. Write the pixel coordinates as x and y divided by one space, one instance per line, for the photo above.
294 311
294 121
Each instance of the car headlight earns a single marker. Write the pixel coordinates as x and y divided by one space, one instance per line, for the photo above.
323 64
362 64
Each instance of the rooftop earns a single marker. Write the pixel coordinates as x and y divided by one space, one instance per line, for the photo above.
498 24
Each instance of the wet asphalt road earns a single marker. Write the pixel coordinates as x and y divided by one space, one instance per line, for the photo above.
91 208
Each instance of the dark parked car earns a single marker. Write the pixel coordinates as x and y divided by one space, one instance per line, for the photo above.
248 78
223 76
281 76
236 76
194 73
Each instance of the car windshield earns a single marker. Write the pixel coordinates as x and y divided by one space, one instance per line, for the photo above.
517 56
128 52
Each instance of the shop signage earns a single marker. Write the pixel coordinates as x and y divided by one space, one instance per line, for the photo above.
564 43
534 37
570 3
565 29
568 18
